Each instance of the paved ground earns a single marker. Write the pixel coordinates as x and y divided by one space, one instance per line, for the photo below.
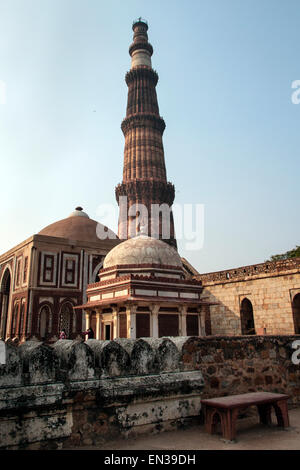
250 436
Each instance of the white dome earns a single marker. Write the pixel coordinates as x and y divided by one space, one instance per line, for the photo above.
142 250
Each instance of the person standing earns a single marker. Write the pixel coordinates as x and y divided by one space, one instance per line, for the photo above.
89 332
63 334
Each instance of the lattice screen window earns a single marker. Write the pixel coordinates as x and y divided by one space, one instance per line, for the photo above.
65 318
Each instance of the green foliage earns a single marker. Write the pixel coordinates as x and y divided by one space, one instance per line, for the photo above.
289 254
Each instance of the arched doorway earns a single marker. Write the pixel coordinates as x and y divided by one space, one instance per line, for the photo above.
296 313
45 322
247 319
4 302
65 317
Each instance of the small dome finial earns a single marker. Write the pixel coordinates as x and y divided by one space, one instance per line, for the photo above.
78 212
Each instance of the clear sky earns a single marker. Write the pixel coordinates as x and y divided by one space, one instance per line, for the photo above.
232 136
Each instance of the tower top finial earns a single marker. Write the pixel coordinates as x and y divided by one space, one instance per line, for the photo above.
140 21
140 50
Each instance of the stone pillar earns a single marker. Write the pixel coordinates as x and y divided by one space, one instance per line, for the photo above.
154 320
98 324
4 315
131 321
201 320
87 320
1 316
115 318
182 320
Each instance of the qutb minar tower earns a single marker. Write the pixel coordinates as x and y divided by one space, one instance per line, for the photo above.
144 173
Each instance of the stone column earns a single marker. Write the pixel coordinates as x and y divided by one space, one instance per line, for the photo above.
182 320
115 318
4 315
131 321
1 315
98 324
154 308
201 320
87 320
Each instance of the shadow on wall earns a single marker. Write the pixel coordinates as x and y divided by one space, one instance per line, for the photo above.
224 321
245 318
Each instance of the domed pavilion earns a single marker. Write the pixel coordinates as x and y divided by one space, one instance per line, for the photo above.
143 292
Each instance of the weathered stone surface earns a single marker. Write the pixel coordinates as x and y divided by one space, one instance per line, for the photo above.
268 286
167 356
232 365
76 360
180 341
34 428
39 362
81 405
141 414
31 397
11 372
110 357
142 356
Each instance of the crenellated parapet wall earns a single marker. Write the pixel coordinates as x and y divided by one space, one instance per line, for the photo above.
270 287
253 271
76 393
66 361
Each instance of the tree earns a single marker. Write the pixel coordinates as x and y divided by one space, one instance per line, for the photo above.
289 254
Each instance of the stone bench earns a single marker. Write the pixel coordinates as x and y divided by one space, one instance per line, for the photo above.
227 409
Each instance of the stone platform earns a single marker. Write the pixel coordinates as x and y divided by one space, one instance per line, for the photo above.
251 436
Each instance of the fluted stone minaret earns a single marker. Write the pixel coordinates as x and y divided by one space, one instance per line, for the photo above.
144 172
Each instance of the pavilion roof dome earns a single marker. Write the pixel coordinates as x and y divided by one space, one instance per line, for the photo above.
142 250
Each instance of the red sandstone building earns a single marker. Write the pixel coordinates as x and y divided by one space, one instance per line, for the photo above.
43 278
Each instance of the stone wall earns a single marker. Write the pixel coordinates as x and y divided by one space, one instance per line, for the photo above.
270 287
82 393
242 364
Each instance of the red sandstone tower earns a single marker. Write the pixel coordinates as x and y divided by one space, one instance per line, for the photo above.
144 173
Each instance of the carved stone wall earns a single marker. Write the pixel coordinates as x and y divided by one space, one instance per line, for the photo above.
76 393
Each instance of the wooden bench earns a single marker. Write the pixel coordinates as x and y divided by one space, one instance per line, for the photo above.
227 409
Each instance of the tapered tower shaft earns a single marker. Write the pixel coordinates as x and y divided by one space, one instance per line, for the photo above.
144 172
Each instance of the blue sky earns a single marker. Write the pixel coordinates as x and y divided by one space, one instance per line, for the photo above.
232 136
